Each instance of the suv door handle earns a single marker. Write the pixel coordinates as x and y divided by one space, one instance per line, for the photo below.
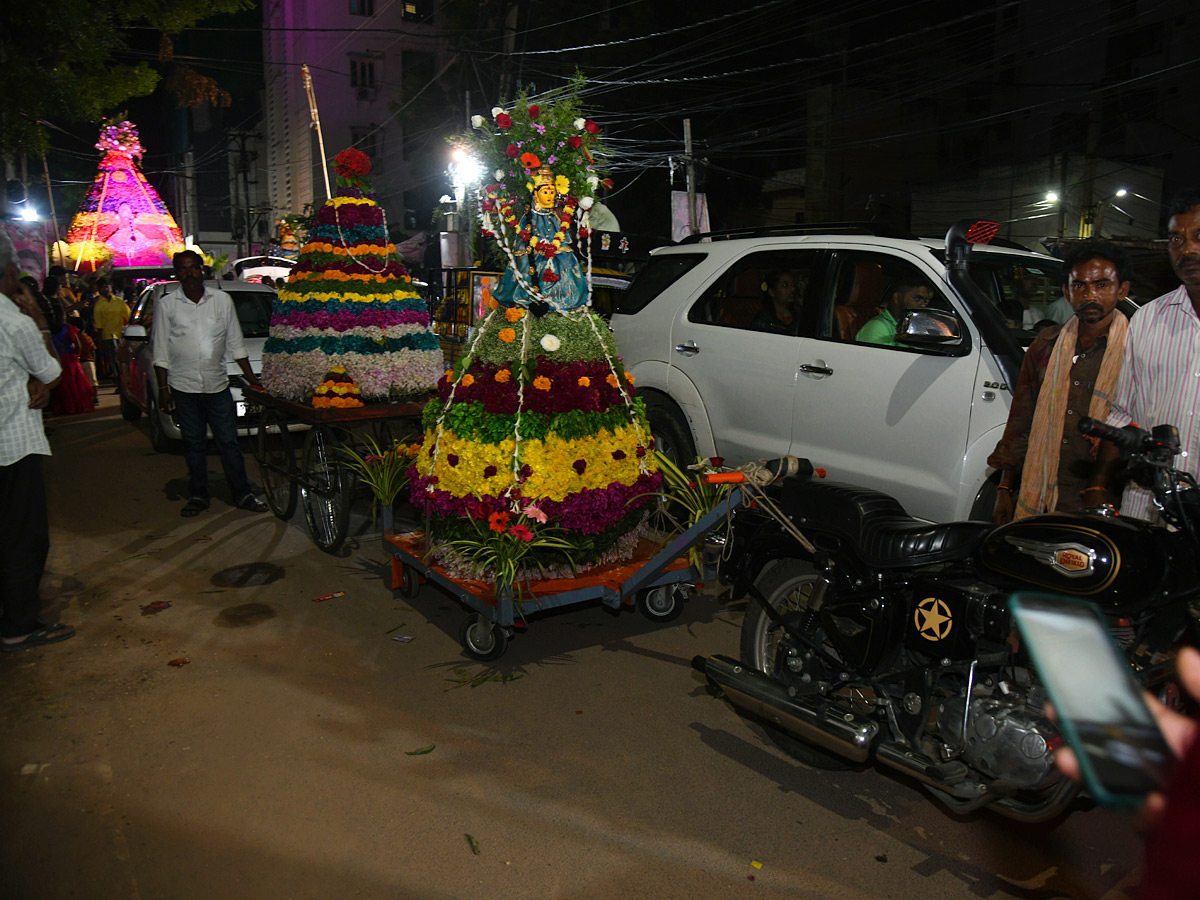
687 348
809 369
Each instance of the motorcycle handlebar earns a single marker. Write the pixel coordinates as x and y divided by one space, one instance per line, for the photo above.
1130 438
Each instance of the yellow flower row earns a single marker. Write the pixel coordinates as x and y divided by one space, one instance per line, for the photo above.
352 201
553 463
339 387
338 275
298 297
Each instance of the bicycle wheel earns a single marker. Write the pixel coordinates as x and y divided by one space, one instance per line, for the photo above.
276 463
328 487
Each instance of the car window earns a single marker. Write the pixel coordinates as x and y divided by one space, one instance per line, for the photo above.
859 290
143 313
1025 291
762 291
657 275
253 311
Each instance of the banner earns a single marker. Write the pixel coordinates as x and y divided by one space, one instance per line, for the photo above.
30 240
680 226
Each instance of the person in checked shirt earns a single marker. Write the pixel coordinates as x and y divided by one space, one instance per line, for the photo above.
195 329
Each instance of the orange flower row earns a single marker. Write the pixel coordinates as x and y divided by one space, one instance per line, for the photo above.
326 247
343 402
337 275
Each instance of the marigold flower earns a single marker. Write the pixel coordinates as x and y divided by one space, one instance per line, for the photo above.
542 383
584 381
611 379
507 335
449 375
513 313
502 376
468 380
629 378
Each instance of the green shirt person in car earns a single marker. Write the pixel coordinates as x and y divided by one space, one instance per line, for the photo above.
905 296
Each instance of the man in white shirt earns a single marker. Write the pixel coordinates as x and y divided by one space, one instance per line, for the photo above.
28 371
195 329
1160 377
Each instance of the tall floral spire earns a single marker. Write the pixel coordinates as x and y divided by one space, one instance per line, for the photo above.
122 219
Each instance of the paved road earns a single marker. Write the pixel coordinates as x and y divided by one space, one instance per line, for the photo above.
590 762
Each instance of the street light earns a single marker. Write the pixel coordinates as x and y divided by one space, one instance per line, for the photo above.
1103 208
28 213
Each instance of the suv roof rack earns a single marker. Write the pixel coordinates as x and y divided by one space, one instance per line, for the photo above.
878 229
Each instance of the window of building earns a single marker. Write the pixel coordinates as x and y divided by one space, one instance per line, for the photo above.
416 10
362 72
362 7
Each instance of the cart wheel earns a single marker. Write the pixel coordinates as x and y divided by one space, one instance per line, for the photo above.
481 639
410 583
661 604
276 463
328 489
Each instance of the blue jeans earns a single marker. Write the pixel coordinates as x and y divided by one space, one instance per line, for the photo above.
197 413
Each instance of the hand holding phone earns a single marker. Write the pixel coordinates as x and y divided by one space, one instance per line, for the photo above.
1121 751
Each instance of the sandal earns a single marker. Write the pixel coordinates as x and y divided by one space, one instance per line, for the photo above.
51 634
193 507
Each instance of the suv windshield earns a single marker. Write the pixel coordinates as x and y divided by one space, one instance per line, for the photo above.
1026 292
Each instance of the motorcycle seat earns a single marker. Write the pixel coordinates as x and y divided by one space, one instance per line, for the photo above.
884 535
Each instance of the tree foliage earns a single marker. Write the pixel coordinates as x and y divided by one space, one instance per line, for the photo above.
72 61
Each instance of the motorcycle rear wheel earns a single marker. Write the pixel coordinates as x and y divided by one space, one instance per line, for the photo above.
788 586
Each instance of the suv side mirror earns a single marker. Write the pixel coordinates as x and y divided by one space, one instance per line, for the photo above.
135 333
929 328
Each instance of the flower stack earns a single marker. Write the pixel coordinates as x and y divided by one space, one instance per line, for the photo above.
537 433
349 303
337 391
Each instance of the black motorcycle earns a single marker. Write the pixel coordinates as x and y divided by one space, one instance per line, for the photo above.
871 635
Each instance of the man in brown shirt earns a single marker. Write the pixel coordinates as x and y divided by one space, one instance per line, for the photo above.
1044 461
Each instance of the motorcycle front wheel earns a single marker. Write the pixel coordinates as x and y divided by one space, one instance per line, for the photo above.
788 587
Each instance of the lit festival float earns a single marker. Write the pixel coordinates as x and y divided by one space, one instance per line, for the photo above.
348 328
536 461
122 221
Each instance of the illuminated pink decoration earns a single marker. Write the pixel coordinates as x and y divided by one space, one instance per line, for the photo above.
122 220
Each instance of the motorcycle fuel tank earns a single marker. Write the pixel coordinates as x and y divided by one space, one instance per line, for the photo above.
1117 563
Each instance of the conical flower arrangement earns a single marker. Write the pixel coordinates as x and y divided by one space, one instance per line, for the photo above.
348 303
537 437
122 220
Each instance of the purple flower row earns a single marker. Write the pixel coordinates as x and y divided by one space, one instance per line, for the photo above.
345 319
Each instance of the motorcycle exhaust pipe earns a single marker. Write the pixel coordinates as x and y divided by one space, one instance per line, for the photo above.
846 735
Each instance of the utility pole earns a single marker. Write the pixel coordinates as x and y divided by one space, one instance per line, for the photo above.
691 175
245 158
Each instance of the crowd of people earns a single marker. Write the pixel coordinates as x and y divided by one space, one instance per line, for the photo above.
85 317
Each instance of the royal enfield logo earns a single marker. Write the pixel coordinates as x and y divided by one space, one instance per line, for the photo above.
933 619
1072 560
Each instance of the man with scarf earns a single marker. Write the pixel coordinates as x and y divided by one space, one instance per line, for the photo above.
1070 371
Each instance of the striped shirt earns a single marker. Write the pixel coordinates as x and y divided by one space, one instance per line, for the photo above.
1160 384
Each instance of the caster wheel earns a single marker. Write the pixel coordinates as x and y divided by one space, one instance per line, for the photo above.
410 583
481 639
661 604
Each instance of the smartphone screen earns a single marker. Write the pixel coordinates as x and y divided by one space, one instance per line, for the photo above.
1121 751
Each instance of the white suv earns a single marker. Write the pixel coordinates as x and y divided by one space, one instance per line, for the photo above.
916 420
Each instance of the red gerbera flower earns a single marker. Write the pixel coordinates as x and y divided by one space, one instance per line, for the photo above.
498 521
521 532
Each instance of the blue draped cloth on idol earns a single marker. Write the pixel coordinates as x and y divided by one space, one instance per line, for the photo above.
568 292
